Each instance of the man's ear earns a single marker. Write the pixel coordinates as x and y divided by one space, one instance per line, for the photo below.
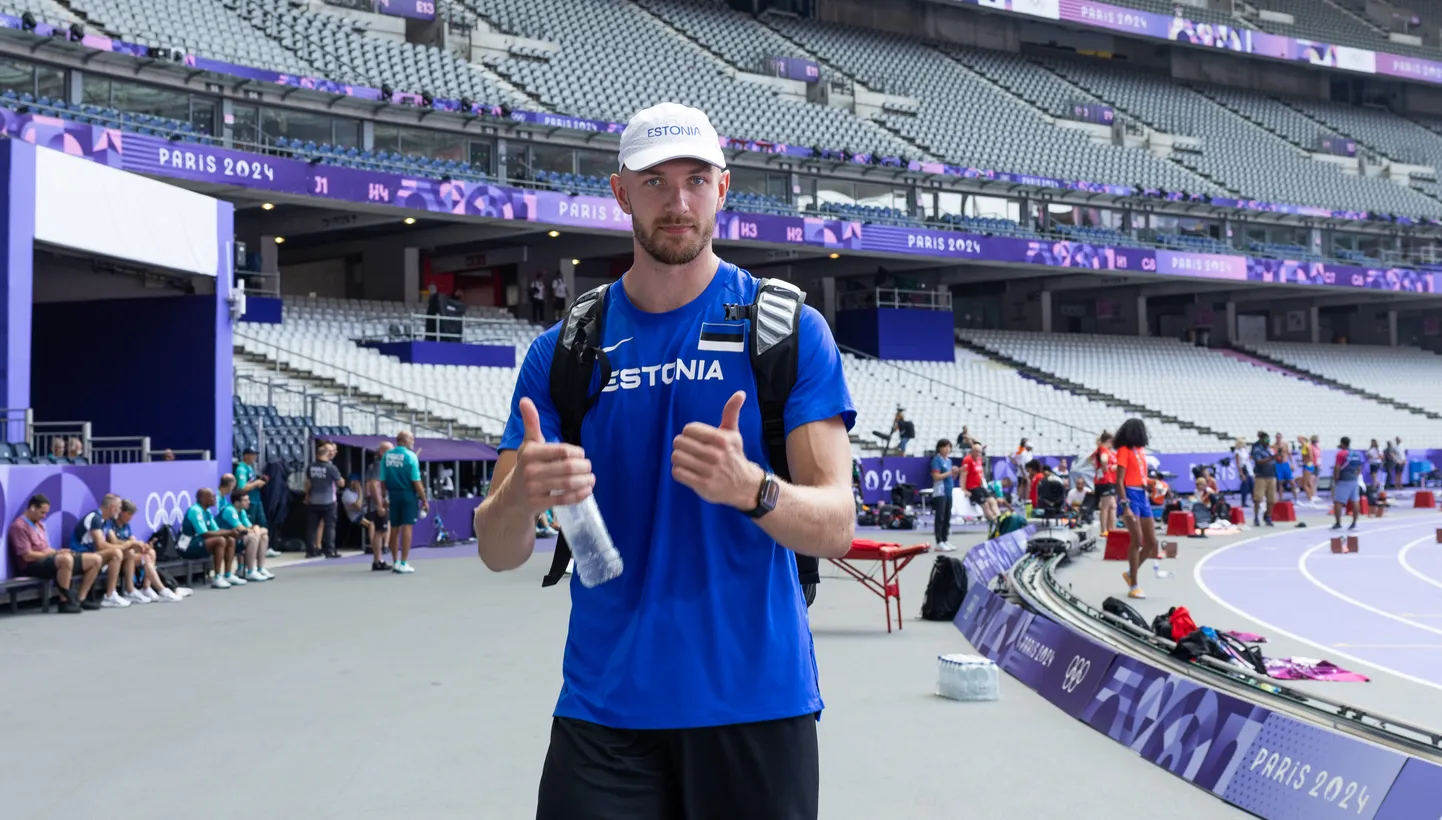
623 198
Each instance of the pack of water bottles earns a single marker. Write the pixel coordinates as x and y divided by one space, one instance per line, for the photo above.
966 677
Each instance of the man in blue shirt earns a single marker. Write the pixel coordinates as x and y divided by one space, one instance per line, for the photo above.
92 534
401 473
199 535
689 682
144 585
943 481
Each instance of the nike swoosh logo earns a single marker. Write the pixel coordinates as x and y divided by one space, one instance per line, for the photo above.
613 347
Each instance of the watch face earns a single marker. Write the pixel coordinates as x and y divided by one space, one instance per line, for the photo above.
770 491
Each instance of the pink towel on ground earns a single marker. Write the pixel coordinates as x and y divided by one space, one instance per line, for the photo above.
1248 637
1309 669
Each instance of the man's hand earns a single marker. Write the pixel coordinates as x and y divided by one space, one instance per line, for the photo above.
712 460
545 474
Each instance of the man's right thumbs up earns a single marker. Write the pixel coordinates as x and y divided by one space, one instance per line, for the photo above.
548 474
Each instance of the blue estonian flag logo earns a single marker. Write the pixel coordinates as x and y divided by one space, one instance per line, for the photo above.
723 337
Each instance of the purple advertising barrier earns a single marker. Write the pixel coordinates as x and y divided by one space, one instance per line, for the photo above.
1416 794
1296 771
977 608
1192 731
879 475
203 163
161 490
414 9
1060 665
458 516
999 634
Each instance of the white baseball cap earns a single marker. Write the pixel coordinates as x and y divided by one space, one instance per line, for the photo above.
669 131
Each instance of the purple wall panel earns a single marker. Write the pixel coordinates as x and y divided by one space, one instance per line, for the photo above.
464 355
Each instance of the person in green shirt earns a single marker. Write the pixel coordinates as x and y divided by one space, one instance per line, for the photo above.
236 516
199 535
249 480
401 475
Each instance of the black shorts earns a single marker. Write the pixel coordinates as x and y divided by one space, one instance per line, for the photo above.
1104 490
755 771
44 569
977 495
382 522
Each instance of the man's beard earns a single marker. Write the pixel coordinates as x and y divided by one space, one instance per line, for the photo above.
675 250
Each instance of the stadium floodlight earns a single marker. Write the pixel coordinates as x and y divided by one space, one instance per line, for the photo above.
575 262
280 240
267 206
553 234
835 256
410 220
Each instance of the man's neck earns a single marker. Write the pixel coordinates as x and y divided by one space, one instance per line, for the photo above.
657 288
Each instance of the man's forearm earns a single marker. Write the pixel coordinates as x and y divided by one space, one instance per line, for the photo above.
816 521
510 531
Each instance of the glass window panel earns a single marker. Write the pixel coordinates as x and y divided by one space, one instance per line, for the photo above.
552 158
596 163
50 82
296 125
835 192
94 90
17 77
202 115
436 144
145 99
749 180
347 133
246 126
481 152
385 137
880 195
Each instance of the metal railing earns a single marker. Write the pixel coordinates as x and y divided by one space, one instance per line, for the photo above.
353 382
1077 438
361 419
259 283
939 299
118 449
58 439
178 455
419 326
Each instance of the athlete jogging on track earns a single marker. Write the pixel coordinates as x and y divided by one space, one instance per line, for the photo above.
690 680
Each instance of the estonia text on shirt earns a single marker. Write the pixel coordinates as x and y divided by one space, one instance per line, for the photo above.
706 625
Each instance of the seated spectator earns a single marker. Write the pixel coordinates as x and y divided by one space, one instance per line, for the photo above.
200 535
143 585
353 503
91 534
57 450
75 449
34 558
235 517
1077 494
168 455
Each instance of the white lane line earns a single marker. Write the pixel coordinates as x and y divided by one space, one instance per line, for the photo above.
1402 558
1306 573
1206 590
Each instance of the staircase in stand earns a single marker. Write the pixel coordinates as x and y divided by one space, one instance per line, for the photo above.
386 406
1336 385
1069 386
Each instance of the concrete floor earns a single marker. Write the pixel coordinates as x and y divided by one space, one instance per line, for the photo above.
337 692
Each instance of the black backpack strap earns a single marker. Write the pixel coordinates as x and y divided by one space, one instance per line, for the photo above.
775 317
573 363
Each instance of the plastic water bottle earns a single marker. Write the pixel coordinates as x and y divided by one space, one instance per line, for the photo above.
966 677
596 558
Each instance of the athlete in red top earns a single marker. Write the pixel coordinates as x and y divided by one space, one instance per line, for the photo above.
1136 508
1105 462
974 467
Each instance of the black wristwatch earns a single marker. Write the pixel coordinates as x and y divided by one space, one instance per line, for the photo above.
765 496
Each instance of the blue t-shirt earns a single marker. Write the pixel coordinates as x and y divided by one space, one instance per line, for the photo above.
399 468
942 464
122 532
706 626
81 539
1261 469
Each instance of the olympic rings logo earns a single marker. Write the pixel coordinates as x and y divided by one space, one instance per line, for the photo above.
168 510
1076 672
